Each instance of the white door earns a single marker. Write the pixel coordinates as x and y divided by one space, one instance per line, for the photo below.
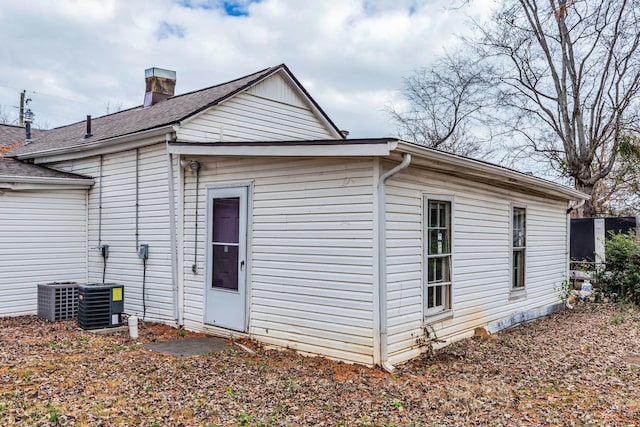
225 283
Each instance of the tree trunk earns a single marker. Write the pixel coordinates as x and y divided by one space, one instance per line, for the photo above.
588 210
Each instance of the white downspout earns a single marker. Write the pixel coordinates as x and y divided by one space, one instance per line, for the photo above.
576 207
177 312
382 261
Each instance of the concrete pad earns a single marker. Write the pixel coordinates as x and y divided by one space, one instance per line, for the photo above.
189 346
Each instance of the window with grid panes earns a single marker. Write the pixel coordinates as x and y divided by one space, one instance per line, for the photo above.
518 246
438 256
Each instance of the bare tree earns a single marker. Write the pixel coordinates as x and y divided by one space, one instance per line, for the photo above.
570 79
115 108
443 102
619 192
5 117
559 78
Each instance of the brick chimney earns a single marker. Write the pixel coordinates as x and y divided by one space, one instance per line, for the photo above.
160 84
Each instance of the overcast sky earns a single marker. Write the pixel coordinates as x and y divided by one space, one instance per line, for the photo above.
79 57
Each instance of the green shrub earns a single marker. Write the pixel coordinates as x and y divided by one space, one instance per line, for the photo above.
621 276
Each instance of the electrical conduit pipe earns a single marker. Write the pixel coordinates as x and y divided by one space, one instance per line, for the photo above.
177 310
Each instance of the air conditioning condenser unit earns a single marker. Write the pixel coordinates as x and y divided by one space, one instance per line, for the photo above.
100 305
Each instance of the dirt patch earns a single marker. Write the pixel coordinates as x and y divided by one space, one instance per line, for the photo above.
632 359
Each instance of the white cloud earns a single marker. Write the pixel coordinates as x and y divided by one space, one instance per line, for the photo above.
79 56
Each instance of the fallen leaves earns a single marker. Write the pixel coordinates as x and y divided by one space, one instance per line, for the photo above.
574 367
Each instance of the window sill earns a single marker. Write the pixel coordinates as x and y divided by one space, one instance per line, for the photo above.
438 317
517 294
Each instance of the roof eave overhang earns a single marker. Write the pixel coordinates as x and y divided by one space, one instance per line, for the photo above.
485 172
20 183
434 160
102 146
286 149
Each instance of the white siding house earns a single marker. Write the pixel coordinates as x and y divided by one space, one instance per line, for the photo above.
43 234
263 221
310 257
337 256
481 271
128 206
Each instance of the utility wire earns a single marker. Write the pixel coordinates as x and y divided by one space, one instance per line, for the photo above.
45 94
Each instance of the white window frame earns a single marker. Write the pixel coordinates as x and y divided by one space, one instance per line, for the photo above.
444 309
517 290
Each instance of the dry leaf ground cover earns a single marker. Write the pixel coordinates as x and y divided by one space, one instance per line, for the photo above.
579 367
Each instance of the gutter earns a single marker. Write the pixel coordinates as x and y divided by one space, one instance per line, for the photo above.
484 170
102 146
83 182
39 184
382 261
578 206
284 148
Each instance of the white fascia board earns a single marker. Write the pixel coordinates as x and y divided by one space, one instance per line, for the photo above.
41 183
283 150
482 170
310 103
103 146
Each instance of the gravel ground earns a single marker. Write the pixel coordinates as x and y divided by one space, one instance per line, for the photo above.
578 367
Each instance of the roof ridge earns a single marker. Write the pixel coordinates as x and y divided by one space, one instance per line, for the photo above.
263 71
9 125
170 111
95 118
257 73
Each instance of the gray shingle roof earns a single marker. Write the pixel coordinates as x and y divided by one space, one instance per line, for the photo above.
11 168
17 169
10 134
137 119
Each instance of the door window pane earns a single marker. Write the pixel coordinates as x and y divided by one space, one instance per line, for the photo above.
226 220
225 267
225 233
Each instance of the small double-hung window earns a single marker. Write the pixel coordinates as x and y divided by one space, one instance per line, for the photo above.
438 256
518 247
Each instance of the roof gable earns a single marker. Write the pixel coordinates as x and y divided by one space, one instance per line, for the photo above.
275 108
277 89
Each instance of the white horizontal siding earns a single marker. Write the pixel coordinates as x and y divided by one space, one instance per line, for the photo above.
115 225
310 255
277 89
270 111
480 265
43 239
